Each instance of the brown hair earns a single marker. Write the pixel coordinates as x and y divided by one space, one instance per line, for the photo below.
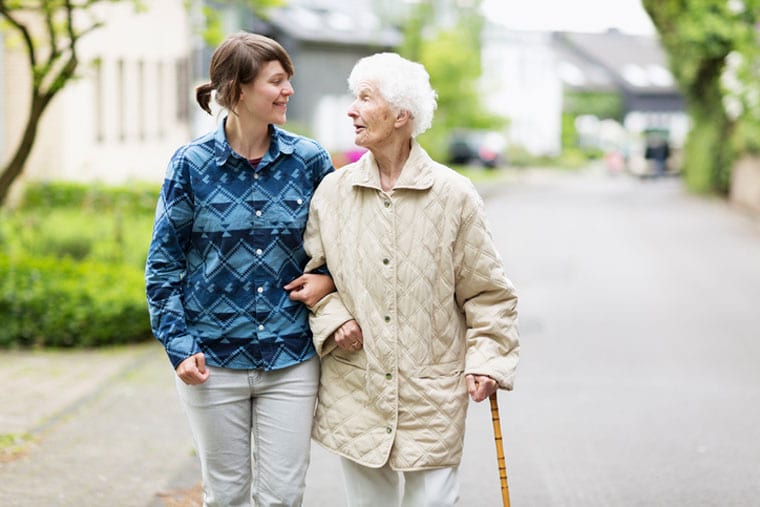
237 62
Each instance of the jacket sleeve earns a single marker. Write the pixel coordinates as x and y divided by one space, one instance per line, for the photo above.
486 297
329 313
166 264
322 166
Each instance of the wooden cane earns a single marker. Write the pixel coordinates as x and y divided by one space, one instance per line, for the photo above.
499 449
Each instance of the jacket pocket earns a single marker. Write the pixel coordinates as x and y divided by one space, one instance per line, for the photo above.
356 359
448 369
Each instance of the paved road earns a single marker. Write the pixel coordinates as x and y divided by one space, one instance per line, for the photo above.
640 378
639 383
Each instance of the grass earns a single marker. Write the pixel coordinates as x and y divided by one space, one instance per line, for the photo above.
482 174
13 445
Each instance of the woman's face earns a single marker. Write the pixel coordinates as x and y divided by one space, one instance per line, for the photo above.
266 98
372 116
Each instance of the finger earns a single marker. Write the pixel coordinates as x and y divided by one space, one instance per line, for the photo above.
340 338
200 362
471 385
296 294
298 282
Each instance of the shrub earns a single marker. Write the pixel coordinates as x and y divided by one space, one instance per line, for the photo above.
71 265
139 198
62 303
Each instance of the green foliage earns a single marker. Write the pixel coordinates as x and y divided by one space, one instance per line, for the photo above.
137 198
213 28
709 162
49 32
62 303
701 38
71 266
571 157
452 58
600 104
569 132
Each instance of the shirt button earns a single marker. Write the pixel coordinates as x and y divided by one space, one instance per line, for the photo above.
388 376
386 261
258 212
255 176
259 251
299 201
387 318
260 290
261 327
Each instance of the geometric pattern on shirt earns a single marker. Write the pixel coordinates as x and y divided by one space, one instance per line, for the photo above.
226 239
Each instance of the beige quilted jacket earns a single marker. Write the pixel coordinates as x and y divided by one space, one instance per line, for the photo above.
417 269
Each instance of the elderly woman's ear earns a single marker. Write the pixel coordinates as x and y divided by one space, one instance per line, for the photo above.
403 117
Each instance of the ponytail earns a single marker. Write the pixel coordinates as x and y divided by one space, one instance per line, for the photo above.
203 96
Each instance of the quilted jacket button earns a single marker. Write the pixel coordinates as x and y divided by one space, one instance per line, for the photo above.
387 204
388 376
386 261
387 318
388 429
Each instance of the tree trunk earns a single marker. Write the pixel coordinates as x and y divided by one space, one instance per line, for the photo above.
16 164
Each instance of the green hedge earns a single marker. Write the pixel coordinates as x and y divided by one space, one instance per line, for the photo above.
138 198
71 266
62 303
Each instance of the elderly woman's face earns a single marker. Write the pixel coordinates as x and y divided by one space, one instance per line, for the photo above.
372 116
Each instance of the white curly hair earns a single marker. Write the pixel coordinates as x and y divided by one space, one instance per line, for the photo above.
403 83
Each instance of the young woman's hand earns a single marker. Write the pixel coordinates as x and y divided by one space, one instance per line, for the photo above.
309 288
192 371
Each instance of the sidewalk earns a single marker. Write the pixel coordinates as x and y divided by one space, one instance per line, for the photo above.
94 428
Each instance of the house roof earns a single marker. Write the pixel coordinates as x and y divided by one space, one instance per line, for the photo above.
635 63
332 21
580 73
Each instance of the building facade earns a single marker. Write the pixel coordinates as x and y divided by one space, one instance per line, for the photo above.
126 112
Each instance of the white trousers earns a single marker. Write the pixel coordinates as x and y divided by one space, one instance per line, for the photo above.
252 432
383 487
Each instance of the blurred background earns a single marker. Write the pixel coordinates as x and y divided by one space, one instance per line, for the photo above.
96 96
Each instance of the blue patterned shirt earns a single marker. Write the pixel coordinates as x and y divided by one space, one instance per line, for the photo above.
226 239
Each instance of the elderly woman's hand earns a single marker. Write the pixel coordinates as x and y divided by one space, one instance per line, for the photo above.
481 387
349 336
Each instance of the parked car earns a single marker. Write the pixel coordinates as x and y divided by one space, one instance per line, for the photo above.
482 147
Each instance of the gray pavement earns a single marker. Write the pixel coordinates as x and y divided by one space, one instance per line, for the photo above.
638 385
96 428
639 382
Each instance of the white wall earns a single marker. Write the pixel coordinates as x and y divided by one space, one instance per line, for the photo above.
520 82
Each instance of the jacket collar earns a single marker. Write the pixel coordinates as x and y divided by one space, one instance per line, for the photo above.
280 143
416 174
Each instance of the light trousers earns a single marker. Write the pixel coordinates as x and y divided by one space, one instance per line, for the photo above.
252 431
383 487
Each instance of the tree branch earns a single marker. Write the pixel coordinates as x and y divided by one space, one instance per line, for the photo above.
25 33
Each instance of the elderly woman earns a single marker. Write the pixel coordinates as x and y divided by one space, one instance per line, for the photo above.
423 313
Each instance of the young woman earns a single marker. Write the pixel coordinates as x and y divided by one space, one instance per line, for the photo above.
226 242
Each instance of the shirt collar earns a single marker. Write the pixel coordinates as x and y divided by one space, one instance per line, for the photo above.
416 174
280 142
